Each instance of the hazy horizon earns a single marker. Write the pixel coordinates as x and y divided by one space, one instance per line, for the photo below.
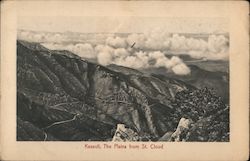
123 24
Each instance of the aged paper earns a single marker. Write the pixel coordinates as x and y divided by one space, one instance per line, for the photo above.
124 80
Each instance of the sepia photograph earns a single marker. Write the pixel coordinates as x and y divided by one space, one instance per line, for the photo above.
154 79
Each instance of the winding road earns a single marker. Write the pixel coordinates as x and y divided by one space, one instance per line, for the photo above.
61 122
57 123
45 136
64 103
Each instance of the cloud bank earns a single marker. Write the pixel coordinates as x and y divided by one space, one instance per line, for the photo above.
213 47
138 50
84 50
139 59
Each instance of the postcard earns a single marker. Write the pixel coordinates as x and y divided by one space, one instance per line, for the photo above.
124 80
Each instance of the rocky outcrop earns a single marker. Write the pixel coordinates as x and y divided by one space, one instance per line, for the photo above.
125 134
181 130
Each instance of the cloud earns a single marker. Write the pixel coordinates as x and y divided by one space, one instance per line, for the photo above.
148 51
175 64
216 44
139 39
116 42
41 36
181 69
29 36
104 54
140 59
210 47
83 50
65 37
213 47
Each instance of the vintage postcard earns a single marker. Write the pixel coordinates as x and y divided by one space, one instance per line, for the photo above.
124 80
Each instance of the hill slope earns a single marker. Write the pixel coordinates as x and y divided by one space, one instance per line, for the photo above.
62 97
199 78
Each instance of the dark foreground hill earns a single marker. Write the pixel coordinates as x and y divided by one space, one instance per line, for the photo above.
63 97
199 78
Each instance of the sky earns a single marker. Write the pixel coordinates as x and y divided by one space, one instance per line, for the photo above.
125 24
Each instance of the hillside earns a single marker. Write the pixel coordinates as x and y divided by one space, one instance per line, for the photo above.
63 97
199 78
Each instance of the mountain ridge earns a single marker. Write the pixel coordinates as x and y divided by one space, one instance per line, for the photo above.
63 97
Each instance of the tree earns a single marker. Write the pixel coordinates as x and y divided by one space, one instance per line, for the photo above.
208 112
